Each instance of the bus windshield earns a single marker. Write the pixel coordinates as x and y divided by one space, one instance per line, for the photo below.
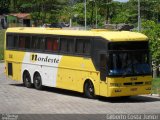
129 63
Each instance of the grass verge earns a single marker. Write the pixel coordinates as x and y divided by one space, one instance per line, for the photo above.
156 86
2 33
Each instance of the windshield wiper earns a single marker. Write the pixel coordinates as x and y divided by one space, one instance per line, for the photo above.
127 71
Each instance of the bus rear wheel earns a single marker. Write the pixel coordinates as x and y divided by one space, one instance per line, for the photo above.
37 81
89 90
27 79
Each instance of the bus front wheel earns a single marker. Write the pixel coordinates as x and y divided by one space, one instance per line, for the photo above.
27 79
37 81
89 89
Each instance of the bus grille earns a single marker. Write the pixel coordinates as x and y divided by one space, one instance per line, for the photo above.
133 83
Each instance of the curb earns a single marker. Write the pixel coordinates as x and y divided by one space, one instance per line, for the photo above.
155 95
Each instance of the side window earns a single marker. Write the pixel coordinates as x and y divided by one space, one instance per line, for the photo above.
16 41
21 42
33 43
87 47
24 42
10 42
83 46
79 46
55 44
48 44
42 43
37 43
27 42
70 45
63 45
51 44
67 45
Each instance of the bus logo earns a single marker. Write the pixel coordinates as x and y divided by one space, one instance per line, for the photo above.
36 58
33 57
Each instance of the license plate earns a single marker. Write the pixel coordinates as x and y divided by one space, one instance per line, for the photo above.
133 89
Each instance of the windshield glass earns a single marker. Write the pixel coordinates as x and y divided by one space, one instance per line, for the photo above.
129 63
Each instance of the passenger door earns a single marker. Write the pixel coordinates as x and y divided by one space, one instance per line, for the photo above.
103 73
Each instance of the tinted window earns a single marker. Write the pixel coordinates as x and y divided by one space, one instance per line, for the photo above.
63 46
27 42
37 43
24 42
79 46
48 44
15 41
83 46
87 47
51 44
143 45
67 45
10 42
70 45
55 44
21 42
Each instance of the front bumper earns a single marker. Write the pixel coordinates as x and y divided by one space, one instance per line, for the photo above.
129 91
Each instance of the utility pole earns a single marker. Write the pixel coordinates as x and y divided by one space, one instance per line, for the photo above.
139 16
96 13
95 2
85 6
71 4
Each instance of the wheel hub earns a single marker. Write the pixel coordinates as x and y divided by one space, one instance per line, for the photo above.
27 80
36 81
90 89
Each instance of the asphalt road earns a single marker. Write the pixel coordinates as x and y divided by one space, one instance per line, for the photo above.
16 99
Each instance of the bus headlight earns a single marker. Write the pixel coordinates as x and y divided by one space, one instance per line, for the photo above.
148 88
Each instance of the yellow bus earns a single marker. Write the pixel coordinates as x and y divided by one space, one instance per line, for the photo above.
93 62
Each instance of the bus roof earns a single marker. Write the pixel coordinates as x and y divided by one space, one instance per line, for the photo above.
114 36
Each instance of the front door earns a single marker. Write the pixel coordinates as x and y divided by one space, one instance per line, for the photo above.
103 74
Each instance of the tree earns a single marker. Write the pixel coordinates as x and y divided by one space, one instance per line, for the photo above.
42 11
152 30
4 5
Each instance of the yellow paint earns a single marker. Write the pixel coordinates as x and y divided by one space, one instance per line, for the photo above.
73 71
103 89
108 35
16 71
126 89
16 58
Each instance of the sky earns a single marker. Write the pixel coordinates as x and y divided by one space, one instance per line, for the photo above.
121 0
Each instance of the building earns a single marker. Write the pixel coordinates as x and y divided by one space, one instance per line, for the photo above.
3 22
19 20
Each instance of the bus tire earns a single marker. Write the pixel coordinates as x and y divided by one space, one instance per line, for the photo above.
27 79
37 81
125 97
89 91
